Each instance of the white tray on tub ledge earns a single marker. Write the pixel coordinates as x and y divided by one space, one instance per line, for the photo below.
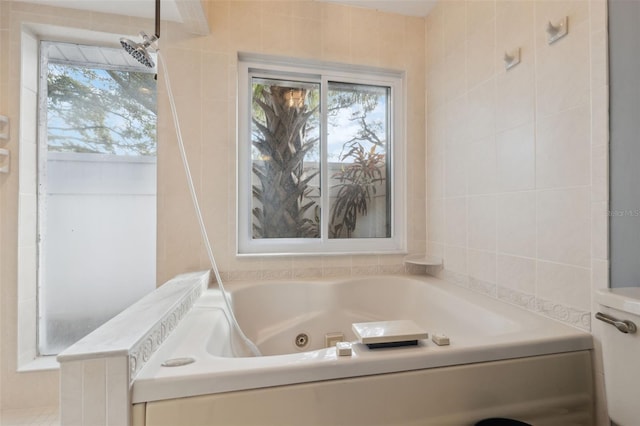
423 259
388 333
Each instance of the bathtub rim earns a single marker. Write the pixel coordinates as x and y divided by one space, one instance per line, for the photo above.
220 374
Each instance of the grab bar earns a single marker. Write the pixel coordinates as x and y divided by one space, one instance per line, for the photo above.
625 326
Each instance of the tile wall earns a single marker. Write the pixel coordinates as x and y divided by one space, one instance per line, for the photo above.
203 75
4 66
515 159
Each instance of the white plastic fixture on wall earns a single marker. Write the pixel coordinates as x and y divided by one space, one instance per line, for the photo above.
4 127
511 59
7 154
557 31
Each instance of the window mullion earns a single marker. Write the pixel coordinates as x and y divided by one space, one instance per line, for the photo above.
324 162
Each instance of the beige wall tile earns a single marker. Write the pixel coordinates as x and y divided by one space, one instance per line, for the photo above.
335 32
481 219
245 33
516 223
565 284
457 120
482 266
562 72
478 14
436 86
517 273
481 53
600 230
516 159
564 226
277 36
600 173
454 23
455 170
392 40
598 10
435 36
600 115
553 10
455 83
515 96
306 9
307 37
436 131
599 59
435 175
435 220
481 110
563 149
482 161
515 28
455 211
455 259
362 37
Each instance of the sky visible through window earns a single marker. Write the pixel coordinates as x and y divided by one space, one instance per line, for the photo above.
93 110
352 120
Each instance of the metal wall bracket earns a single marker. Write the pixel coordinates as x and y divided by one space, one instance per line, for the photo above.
4 127
557 31
5 153
511 59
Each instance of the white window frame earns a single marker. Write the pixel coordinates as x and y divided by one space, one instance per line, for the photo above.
31 34
274 67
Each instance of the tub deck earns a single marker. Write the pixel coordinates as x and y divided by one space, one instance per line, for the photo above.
204 335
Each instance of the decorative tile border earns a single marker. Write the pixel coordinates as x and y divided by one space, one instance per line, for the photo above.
483 287
557 311
575 317
319 272
515 297
142 352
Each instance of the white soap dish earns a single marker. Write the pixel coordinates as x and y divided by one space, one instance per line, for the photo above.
384 334
422 260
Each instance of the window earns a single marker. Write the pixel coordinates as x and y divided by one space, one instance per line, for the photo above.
96 189
321 159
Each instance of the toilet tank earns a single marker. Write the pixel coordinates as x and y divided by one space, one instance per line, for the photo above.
621 353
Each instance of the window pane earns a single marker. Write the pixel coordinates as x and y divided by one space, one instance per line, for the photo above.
100 111
358 147
285 139
97 200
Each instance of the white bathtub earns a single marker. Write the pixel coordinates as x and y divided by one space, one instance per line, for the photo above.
481 331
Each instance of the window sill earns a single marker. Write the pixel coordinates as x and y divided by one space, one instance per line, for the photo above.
42 363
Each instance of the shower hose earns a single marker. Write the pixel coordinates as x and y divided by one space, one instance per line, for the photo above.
203 230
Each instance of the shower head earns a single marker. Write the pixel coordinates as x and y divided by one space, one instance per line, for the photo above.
139 50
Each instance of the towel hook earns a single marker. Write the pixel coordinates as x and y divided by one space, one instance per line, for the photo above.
557 31
511 59
5 153
4 127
